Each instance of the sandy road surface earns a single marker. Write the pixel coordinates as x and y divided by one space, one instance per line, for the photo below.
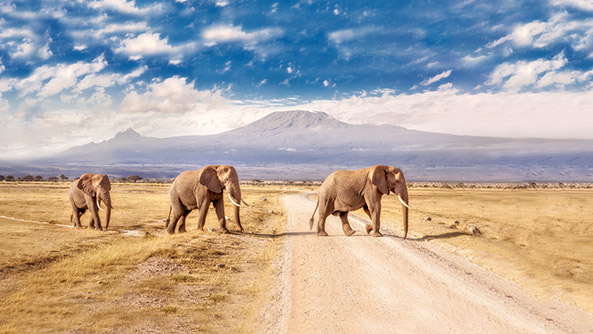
361 284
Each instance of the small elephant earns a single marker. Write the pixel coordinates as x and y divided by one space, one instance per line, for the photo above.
344 191
197 189
85 193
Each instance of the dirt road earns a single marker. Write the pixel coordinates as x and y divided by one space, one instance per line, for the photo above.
361 284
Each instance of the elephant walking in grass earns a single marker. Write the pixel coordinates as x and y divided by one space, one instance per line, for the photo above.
197 189
85 194
344 191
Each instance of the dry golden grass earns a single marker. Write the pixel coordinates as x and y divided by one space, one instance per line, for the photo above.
541 239
55 279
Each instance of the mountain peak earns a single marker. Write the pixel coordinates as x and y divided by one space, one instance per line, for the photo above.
297 119
129 133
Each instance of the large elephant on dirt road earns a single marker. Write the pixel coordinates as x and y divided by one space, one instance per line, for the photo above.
197 189
344 191
85 194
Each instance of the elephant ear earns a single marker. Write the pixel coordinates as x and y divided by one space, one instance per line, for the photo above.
85 183
103 180
209 178
378 176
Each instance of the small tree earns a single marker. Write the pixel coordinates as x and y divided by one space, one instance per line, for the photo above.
63 177
2 178
134 178
38 178
9 178
27 178
53 179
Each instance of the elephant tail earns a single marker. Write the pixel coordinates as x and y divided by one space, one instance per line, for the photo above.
168 217
313 216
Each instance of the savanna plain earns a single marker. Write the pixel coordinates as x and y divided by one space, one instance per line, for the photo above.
136 278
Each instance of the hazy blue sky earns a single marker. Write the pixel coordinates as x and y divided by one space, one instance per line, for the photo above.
78 71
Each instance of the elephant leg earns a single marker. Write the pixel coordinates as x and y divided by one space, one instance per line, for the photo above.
76 217
368 227
325 209
92 223
173 223
92 205
321 227
202 213
219 208
376 218
348 231
182 221
76 213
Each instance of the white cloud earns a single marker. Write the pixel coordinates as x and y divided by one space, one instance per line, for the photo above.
7 33
474 60
325 83
174 107
227 66
116 28
218 34
557 114
124 6
289 70
579 4
173 96
50 80
346 35
151 44
436 78
45 52
66 76
539 73
25 49
107 80
261 83
221 3
559 28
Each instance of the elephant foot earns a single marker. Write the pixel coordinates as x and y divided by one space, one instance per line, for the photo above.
377 234
170 231
368 228
322 233
182 230
349 232
224 230
98 228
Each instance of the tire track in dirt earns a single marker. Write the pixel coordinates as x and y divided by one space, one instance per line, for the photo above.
361 284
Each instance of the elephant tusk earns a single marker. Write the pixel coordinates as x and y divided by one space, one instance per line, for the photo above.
99 205
244 202
239 205
404 203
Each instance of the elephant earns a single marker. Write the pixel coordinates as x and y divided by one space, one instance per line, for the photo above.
197 189
344 191
85 193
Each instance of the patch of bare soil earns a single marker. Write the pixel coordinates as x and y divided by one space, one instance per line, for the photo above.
155 266
360 284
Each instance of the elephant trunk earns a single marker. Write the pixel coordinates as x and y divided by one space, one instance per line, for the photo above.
235 194
106 198
404 198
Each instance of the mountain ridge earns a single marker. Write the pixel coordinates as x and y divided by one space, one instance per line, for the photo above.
309 145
